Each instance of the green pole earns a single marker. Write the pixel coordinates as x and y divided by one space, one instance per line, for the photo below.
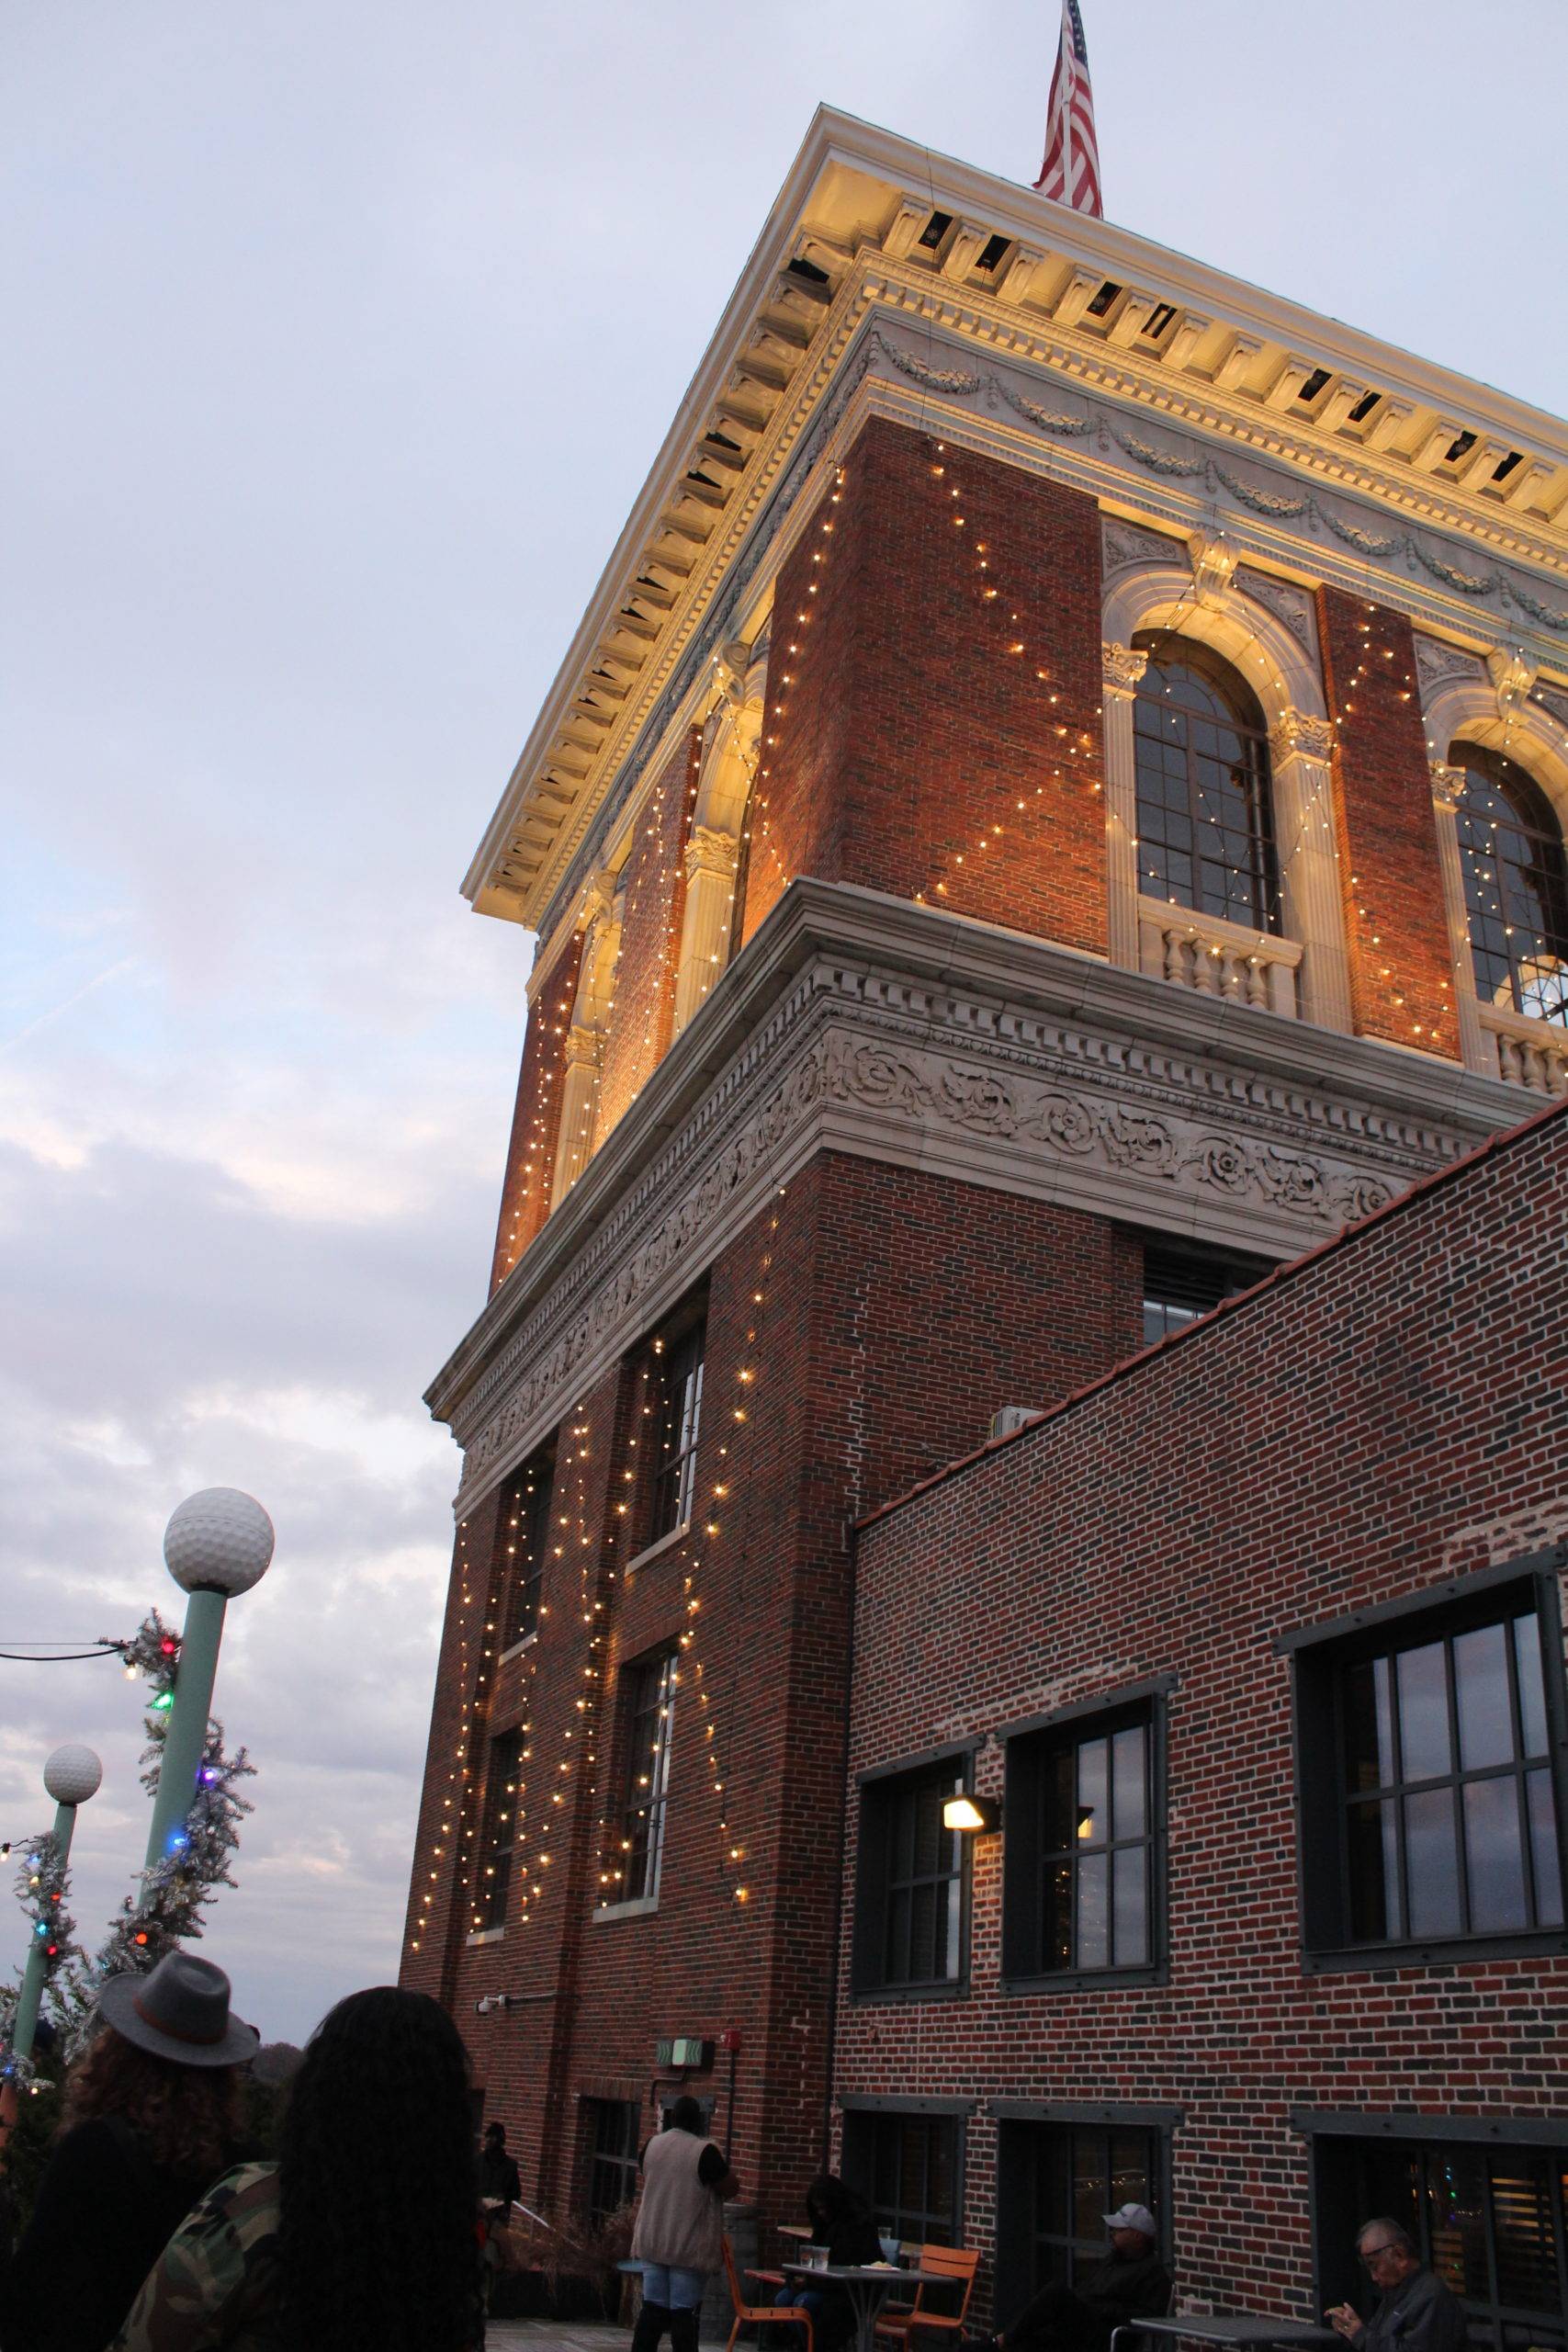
186 1738
33 1973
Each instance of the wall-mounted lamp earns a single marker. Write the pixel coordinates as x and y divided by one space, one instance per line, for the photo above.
490 2002
972 1815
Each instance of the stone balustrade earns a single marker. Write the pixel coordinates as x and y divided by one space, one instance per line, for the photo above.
1529 1052
1218 958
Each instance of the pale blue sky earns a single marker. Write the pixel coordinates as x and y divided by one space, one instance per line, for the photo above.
340 337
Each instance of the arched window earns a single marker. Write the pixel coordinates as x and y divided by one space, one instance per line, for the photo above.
1205 827
1515 886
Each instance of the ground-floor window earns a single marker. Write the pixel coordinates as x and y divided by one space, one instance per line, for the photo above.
1058 2181
907 2166
1492 2222
613 2155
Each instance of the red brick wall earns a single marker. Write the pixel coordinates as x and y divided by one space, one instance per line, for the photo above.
933 723
536 1121
871 1319
654 880
1395 928
1386 1416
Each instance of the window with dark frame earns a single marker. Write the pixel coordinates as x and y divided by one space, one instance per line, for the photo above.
498 1833
1430 1800
676 1382
634 1872
1515 886
1492 2222
908 2166
526 1532
1206 802
1082 1869
1183 1281
1061 2181
613 2131
910 1922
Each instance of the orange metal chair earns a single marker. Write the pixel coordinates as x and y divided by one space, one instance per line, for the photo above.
761 2315
951 2262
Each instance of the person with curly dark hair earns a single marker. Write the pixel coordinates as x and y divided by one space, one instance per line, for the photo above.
150 2119
364 2235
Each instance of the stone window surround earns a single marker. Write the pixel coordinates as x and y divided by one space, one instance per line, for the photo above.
1491 707
1193 594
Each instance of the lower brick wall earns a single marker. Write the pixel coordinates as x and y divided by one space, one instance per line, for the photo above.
868 1324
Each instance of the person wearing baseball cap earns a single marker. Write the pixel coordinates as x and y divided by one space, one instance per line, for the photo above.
151 2120
1128 2282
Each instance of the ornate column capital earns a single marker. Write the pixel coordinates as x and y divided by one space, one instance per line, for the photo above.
1302 732
710 852
598 899
582 1047
1124 667
1447 784
1214 561
1512 676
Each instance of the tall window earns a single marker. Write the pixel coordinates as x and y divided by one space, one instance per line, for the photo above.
498 1832
650 1722
676 1399
908 2166
612 2153
1060 2182
910 1902
1082 1886
525 1536
1515 886
1182 1281
1492 2222
1205 827
1429 1805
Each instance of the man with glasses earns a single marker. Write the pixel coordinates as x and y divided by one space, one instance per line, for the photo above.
1415 2311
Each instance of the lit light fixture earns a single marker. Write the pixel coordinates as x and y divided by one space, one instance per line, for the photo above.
972 1815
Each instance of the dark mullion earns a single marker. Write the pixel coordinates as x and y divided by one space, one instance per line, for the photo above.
1521 1776
1456 1801
1397 1744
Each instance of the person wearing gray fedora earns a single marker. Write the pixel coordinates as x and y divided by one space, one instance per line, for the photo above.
149 2121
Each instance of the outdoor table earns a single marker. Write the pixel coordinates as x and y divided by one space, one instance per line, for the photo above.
868 2287
1234 2328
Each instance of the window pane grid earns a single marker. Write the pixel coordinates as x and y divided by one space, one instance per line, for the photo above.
498 1836
1516 886
1096 1853
1493 2224
1434 1847
678 1375
611 2174
923 1897
1204 801
650 1725
907 2166
1078 2176
526 1537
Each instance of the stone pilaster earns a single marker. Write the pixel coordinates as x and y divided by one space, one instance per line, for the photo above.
1300 751
1475 1048
710 905
1124 670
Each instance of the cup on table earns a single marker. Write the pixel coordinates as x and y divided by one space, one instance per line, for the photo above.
816 2255
890 2248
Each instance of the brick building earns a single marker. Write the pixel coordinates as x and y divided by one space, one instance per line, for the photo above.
1054 808
1272 1935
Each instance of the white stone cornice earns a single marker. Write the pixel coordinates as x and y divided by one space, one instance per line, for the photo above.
856 195
856 1023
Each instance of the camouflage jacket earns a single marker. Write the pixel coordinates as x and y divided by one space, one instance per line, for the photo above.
213 2288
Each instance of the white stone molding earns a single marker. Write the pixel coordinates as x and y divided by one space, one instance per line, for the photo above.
1214 560
1123 667
1492 703
872 1027
725 776
1283 673
582 1051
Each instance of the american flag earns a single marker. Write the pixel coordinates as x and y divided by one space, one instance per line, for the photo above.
1070 173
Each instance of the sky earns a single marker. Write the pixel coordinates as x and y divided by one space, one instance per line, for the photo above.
340 335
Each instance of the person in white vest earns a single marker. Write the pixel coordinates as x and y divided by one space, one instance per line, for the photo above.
680 2226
